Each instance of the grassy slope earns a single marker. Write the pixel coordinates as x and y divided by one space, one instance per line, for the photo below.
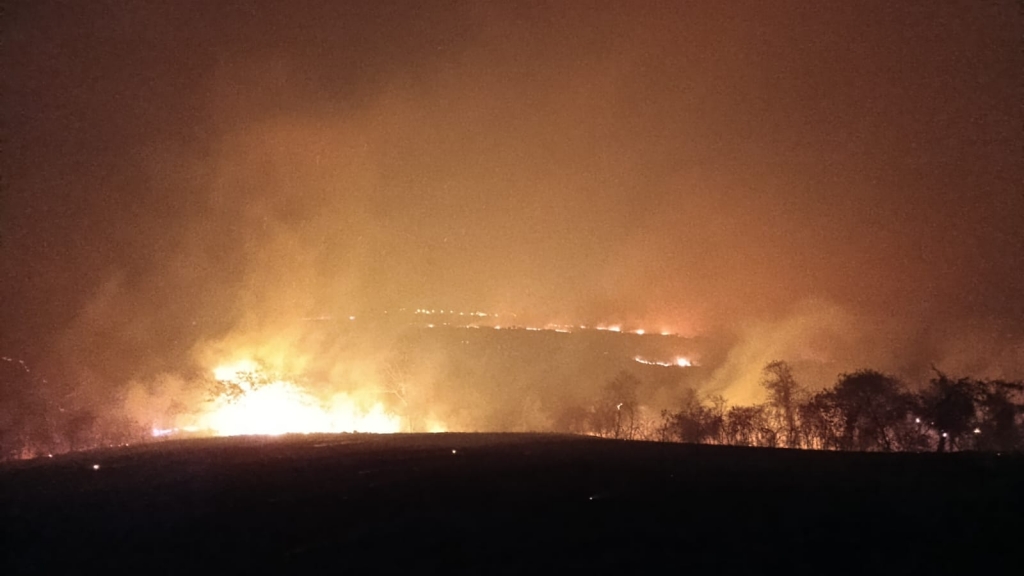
506 503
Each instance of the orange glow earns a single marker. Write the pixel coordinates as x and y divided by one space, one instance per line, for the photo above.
231 372
679 362
549 327
282 407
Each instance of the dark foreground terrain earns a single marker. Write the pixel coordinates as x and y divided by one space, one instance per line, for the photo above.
506 504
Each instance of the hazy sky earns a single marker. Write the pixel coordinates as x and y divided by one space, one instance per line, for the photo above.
175 170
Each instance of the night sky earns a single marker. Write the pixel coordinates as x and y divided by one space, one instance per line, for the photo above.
176 172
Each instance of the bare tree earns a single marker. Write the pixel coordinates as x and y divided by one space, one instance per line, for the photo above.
396 382
821 422
743 425
616 413
783 399
240 384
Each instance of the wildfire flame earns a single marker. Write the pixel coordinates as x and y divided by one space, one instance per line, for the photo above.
679 362
254 402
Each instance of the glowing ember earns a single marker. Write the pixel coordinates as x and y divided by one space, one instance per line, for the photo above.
253 403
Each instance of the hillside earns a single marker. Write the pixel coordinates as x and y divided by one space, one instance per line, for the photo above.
492 503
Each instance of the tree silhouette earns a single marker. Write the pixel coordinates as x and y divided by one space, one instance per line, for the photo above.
872 407
240 384
948 408
697 420
748 426
865 410
821 421
999 406
783 399
616 413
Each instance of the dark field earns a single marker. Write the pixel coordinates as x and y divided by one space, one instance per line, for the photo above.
507 504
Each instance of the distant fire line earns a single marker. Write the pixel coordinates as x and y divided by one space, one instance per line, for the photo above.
679 362
451 316
560 328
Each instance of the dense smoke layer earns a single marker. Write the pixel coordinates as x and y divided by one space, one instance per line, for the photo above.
187 183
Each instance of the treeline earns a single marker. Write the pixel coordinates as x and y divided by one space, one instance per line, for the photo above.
40 418
864 410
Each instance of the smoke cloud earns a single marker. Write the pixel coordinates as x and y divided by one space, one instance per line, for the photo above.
187 184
